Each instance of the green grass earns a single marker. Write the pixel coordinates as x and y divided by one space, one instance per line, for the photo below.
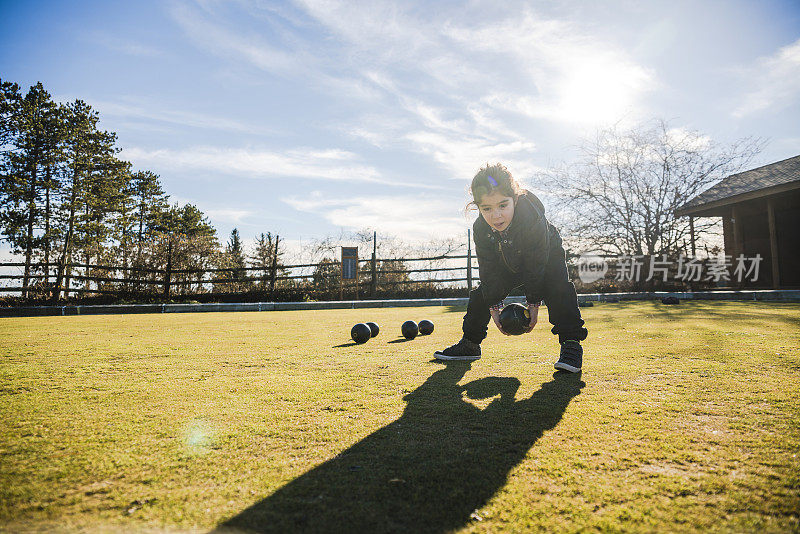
686 418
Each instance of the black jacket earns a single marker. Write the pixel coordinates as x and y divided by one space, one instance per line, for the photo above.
518 255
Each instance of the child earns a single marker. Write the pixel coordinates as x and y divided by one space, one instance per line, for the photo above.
517 246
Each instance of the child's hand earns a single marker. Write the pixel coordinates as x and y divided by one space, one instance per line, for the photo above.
496 317
534 311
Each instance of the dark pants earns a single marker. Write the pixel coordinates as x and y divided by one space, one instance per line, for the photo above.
559 295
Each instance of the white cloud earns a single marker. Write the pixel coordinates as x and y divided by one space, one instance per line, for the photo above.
272 48
231 216
332 164
132 48
410 217
773 81
225 216
236 43
546 68
293 251
150 111
458 81
789 144
449 88
688 139
373 137
464 156
570 76
378 28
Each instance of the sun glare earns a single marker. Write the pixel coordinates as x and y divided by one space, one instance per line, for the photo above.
600 91
198 437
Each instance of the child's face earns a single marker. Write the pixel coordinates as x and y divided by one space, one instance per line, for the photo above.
497 210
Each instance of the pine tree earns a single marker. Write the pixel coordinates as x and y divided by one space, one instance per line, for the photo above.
65 194
105 197
124 222
235 249
89 168
262 257
184 239
53 161
9 100
10 104
149 199
326 275
234 259
29 124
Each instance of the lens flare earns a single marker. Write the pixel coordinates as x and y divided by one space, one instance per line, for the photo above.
198 437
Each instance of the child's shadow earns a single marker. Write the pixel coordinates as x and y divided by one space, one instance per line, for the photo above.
425 472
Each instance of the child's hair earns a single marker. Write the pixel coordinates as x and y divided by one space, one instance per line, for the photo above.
493 178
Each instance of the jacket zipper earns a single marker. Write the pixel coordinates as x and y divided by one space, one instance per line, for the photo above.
502 255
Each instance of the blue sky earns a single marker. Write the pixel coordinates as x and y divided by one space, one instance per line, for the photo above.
303 118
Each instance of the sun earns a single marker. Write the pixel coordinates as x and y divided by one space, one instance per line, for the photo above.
600 90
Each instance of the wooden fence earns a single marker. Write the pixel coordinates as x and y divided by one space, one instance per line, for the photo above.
321 281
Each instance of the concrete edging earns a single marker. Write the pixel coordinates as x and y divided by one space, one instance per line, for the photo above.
773 295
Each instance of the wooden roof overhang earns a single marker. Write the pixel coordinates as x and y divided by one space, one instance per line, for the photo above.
721 207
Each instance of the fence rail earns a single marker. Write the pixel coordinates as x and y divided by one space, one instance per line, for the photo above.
376 277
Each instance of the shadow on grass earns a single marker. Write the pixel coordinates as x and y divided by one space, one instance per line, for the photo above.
743 313
425 472
349 344
751 314
400 340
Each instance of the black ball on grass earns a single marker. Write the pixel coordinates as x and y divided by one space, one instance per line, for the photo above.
374 328
360 333
425 327
515 319
409 329
671 299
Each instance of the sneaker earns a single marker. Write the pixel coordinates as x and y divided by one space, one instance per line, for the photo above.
571 357
463 350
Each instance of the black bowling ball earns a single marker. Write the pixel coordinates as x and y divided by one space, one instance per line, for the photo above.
360 333
515 319
409 329
374 328
425 327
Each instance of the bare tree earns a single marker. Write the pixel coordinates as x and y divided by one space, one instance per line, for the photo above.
393 248
620 197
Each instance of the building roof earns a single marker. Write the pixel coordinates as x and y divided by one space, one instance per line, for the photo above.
759 182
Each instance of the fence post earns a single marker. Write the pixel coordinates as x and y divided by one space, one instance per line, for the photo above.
67 280
168 273
55 296
274 269
373 285
469 261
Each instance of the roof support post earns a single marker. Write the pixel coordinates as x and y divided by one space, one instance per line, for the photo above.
738 241
727 232
738 238
773 245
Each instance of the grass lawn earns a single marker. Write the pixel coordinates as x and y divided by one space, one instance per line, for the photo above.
686 418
